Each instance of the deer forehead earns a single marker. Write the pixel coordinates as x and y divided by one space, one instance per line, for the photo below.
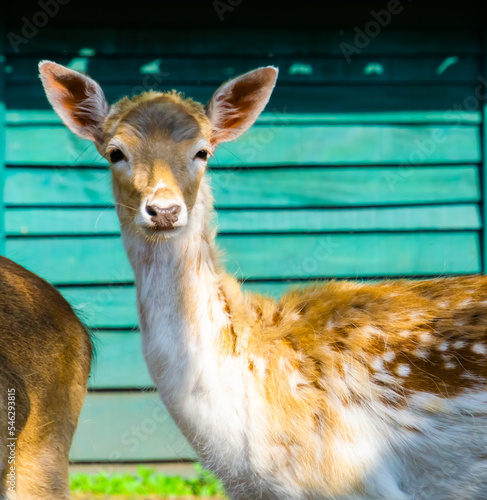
167 116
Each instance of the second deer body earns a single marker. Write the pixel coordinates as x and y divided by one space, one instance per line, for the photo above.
340 391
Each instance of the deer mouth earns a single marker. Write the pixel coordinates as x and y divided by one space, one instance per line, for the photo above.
160 232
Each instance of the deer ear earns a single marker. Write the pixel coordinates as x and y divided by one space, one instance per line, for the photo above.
77 99
236 105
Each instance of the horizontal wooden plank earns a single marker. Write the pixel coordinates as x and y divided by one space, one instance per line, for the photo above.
119 362
49 221
104 306
178 71
300 187
127 427
114 306
19 117
445 217
332 98
223 40
77 221
99 260
277 145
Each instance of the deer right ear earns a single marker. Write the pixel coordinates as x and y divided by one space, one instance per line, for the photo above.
77 99
236 105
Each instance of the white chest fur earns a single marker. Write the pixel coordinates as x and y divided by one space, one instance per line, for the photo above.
180 319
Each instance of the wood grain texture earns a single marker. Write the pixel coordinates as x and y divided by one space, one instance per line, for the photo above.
78 221
103 260
252 188
332 98
18 117
119 362
175 71
127 427
274 145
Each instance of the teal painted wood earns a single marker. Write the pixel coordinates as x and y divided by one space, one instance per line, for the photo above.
446 217
3 129
352 255
170 71
104 306
77 221
102 260
331 98
62 221
236 41
483 107
127 427
119 363
265 145
45 117
252 188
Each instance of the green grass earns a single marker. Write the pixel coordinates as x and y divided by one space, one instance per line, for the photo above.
146 482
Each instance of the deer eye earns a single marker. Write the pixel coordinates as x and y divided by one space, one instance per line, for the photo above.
116 155
202 155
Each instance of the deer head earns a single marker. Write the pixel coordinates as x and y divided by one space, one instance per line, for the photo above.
157 144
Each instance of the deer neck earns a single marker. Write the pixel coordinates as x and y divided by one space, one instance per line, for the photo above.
180 304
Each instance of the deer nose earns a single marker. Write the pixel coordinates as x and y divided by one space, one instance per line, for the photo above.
164 217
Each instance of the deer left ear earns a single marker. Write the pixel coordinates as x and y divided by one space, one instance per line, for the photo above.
236 105
76 98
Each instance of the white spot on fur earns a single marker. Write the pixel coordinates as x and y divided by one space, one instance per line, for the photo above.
443 346
260 366
421 353
426 338
479 348
295 316
295 380
377 364
372 331
450 365
389 356
459 344
403 370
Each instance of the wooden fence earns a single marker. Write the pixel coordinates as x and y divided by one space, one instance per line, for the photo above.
362 169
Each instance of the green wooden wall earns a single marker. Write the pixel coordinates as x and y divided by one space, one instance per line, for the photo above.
358 170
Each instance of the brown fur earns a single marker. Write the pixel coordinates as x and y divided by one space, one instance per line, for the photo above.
46 357
329 346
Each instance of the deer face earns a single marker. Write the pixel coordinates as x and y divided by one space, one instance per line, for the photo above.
158 151
157 144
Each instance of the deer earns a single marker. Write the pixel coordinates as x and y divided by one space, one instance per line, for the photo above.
340 390
45 361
